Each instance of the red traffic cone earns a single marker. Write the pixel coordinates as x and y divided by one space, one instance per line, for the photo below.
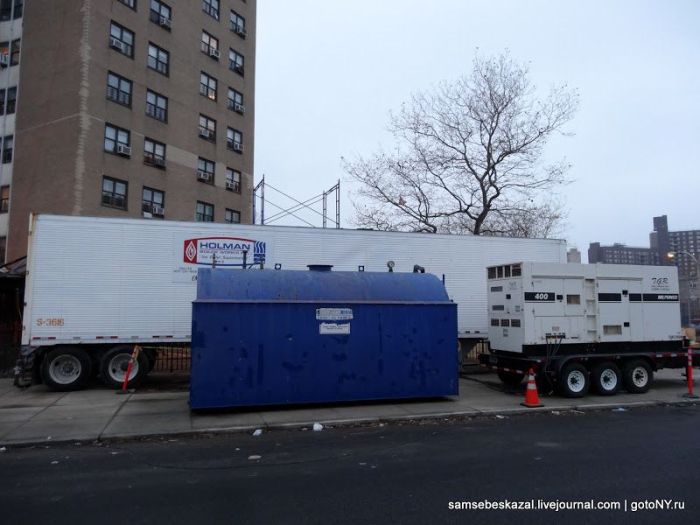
532 398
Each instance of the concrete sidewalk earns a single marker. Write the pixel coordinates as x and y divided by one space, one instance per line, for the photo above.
37 415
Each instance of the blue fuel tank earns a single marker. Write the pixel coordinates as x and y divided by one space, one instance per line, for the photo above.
274 337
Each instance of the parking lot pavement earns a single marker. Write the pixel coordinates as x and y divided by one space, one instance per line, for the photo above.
37 415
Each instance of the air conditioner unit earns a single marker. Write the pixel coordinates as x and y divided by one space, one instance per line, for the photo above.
157 210
203 176
206 133
4 60
157 161
123 150
117 44
237 146
213 52
232 185
240 108
164 21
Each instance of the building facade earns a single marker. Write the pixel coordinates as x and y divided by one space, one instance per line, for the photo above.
686 246
685 243
621 254
11 16
573 256
131 108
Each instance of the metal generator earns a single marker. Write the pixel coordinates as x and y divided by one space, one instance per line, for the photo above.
272 337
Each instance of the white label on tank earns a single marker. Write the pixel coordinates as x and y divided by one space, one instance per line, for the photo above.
333 314
334 329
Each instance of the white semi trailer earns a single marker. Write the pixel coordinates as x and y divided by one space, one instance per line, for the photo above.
604 325
97 286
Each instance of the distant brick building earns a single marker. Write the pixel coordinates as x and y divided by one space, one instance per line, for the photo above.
685 243
125 108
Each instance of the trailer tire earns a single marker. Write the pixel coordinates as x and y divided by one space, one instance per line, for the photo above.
114 363
66 369
152 356
606 378
510 379
573 380
637 376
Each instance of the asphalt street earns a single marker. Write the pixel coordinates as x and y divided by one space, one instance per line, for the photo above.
385 474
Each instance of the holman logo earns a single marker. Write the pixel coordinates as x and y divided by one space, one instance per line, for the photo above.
228 251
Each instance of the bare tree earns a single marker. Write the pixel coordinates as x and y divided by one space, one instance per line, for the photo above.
469 158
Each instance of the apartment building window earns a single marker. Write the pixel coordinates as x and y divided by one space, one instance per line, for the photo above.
7 145
233 180
238 24
153 202
4 200
153 153
121 39
232 216
160 14
204 212
14 52
207 86
205 170
210 45
8 101
235 101
6 12
234 140
211 7
158 59
207 128
236 62
119 89
156 106
129 3
117 140
3 248
114 192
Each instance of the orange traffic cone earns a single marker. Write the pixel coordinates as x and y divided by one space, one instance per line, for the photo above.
532 398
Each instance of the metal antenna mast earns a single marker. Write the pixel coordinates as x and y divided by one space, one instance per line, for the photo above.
261 187
335 189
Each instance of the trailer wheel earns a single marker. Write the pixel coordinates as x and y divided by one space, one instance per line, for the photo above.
637 376
606 378
66 369
573 380
511 379
114 364
152 356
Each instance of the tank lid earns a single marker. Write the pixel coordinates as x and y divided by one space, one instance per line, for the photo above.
319 267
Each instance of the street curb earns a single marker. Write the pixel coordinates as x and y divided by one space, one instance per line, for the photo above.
359 422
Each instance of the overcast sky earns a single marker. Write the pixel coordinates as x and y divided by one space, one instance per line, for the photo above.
329 72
